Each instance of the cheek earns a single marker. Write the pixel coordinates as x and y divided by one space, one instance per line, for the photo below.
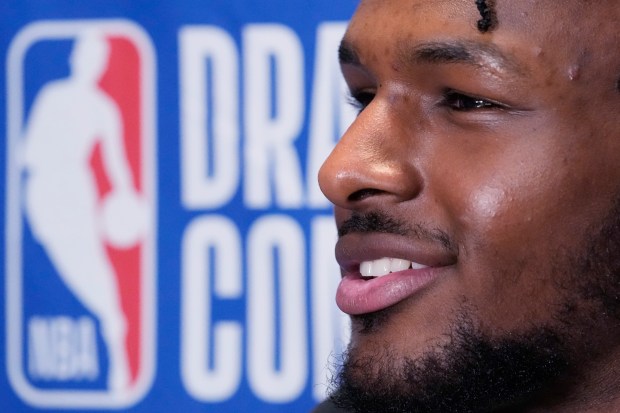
487 203
510 229
519 234
498 214
523 199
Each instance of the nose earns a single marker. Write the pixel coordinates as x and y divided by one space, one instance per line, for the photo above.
372 163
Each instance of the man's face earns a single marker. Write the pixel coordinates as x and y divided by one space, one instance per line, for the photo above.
490 161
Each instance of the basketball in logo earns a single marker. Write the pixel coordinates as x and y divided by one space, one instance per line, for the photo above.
81 213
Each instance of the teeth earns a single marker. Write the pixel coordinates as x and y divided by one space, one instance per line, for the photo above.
375 268
383 266
399 265
416 266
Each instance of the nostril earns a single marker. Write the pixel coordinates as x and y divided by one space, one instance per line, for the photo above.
363 194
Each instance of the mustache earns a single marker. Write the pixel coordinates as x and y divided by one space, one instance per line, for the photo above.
376 221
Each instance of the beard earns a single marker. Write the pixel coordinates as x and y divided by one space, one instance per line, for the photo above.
473 371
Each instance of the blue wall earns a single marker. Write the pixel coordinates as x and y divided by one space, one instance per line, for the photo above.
239 103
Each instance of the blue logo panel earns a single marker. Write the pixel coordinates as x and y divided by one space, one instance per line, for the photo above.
165 243
80 228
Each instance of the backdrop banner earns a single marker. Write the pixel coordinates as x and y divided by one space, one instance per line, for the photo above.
165 245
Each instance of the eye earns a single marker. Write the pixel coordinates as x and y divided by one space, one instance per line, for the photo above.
360 99
461 102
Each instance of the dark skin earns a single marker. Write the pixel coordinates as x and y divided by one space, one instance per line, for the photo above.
507 143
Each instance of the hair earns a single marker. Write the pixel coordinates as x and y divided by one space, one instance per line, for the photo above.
488 15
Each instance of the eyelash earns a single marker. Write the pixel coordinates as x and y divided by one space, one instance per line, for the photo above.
454 100
359 100
464 103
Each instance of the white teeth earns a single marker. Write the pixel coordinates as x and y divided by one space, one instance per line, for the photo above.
417 266
366 268
383 266
375 268
399 265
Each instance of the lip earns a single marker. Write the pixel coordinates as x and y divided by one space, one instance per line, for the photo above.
358 295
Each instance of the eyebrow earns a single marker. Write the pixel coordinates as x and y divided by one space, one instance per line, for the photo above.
444 52
346 54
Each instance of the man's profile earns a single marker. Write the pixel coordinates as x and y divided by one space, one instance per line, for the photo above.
477 200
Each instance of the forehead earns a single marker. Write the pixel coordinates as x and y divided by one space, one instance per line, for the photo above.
566 31
511 12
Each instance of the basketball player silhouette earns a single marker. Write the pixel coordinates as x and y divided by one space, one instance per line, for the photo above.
69 118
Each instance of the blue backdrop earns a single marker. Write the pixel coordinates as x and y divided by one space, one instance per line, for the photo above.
226 110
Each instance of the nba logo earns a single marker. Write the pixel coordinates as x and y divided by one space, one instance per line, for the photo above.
80 230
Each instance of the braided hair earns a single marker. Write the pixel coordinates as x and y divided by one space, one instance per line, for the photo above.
487 15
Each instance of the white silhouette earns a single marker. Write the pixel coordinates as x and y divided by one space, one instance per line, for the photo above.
69 118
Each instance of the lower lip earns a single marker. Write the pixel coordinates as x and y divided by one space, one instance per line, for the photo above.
357 295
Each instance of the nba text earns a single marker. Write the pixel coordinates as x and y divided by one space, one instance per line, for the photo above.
62 348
